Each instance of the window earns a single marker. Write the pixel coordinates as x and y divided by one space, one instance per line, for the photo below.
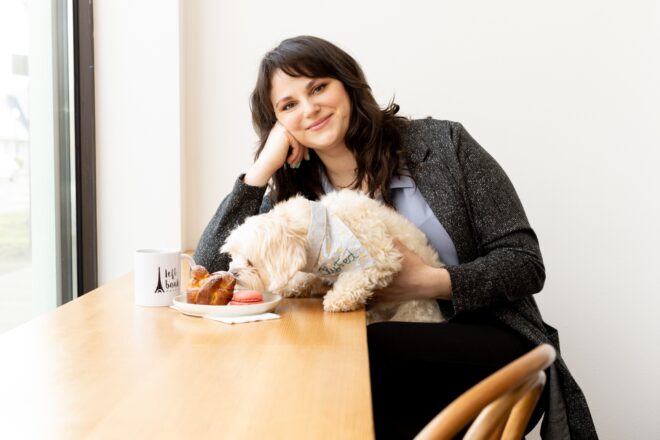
42 157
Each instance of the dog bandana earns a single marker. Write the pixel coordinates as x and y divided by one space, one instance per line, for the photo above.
331 246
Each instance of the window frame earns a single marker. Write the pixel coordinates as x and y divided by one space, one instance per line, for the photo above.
85 146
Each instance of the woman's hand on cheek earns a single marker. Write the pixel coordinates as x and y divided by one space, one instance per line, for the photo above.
416 280
298 153
274 156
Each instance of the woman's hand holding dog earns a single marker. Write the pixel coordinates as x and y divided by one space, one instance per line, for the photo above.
416 280
274 155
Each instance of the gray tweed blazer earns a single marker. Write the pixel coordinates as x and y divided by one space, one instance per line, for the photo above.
500 260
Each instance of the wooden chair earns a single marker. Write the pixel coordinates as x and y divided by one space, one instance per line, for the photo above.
500 405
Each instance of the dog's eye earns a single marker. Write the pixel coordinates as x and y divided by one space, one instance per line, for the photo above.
249 263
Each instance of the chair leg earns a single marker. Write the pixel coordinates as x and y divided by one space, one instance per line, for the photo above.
496 415
497 431
491 419
504 390
522 411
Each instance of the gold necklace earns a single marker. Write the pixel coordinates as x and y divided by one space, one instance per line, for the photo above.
344 187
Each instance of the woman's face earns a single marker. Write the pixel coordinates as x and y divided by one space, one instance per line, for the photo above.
316 111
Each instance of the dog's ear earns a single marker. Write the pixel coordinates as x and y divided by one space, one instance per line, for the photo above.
225 248
241 236
231 242
283 254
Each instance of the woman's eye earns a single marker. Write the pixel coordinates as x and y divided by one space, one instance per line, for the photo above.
287 106
318 88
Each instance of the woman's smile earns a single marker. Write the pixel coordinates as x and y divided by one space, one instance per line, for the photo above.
320 123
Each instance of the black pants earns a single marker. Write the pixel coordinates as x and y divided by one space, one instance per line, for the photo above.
417 369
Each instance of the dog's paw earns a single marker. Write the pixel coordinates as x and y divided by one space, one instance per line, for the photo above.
333 302
301 285
331 306
295 292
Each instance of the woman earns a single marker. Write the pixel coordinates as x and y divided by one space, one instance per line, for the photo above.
321 129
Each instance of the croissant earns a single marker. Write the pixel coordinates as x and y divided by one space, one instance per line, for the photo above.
217 290
199 274
191 295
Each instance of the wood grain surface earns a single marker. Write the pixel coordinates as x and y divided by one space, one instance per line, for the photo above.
101 367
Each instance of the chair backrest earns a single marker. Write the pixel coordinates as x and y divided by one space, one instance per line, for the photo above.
500 405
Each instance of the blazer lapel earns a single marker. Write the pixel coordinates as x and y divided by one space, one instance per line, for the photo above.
442 191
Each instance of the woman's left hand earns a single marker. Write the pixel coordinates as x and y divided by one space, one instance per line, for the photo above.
416 280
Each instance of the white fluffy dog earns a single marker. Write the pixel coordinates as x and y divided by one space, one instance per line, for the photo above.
345 240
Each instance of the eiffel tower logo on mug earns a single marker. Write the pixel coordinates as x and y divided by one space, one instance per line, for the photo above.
159 287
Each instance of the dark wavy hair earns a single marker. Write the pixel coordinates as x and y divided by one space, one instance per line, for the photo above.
374 135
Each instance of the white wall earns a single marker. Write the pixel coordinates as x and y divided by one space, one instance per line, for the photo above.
565 95
139 149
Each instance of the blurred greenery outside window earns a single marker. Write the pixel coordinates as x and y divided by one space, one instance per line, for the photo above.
34 129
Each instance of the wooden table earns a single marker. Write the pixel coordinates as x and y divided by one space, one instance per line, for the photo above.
101 367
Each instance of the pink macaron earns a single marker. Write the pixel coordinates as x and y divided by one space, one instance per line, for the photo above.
246 297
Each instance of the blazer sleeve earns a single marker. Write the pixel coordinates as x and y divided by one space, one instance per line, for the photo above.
243 202
509 265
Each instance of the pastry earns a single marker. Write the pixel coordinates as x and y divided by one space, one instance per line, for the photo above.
191 295
217 289
198 275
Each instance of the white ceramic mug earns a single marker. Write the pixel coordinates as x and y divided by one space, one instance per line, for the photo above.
158 276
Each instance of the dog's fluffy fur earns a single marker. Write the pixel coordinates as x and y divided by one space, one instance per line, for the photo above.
268 252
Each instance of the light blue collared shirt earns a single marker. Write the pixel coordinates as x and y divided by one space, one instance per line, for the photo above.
410 203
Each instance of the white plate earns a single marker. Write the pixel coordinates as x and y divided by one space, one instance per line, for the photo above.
271 300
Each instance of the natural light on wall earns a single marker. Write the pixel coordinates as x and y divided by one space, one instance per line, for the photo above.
34 94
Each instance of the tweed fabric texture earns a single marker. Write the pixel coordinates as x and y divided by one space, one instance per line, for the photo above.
500 260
